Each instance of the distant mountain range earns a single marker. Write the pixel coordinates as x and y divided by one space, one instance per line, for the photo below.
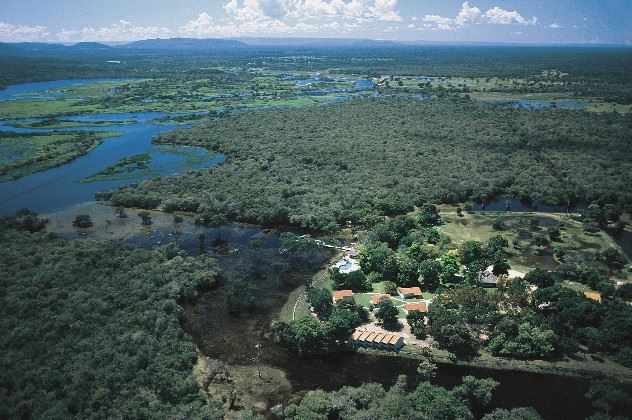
175 45
189 45
184 44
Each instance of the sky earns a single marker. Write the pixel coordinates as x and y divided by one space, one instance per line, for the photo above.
505 21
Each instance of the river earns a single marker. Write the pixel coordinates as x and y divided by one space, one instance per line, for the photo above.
61 187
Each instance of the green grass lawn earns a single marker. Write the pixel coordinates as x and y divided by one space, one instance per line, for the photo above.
478 227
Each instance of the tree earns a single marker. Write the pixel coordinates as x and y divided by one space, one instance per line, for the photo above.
530 342
500 264
355 280
240 294
619 227
605 397
387 314
450 266
624 291
82 221
614 259
390 287
540 241
303 336
315 406
471 251
520 413
407 270
540 277
321 301
431 235
278 268
417 322
554 233
427 369
256 244
145 217
26 220
612 212
430 272
428 216
476 391
456 338
498 224
497 243
559 251
373 256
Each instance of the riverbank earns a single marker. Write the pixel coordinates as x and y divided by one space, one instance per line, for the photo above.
36 152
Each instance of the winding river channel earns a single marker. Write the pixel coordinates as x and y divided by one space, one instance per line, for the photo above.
63 186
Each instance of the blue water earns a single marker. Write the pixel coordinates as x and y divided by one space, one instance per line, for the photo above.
360 85
526 104
48 89
57 188
515 204
529 104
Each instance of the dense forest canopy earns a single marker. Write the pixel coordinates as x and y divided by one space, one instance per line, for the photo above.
321 166
91 329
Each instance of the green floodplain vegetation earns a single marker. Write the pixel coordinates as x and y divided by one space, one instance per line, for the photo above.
143 164
95 327
24 154
320 167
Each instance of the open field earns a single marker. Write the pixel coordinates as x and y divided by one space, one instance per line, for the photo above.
521 231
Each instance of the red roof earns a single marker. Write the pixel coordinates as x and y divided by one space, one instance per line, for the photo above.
419 306
376 299
376 337
594 296
415 291
341 294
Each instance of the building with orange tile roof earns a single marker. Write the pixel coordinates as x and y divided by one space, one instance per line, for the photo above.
409 292
338 295
376 299
417 306
377 340
594 296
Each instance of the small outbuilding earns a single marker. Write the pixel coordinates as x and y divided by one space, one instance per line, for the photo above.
596 296
409 292
376 299
339 295
417 306
488 279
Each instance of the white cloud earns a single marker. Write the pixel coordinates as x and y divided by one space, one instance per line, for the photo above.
22 33
439 22
555 25
500 16
282 17
469 15
363 10
119 31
